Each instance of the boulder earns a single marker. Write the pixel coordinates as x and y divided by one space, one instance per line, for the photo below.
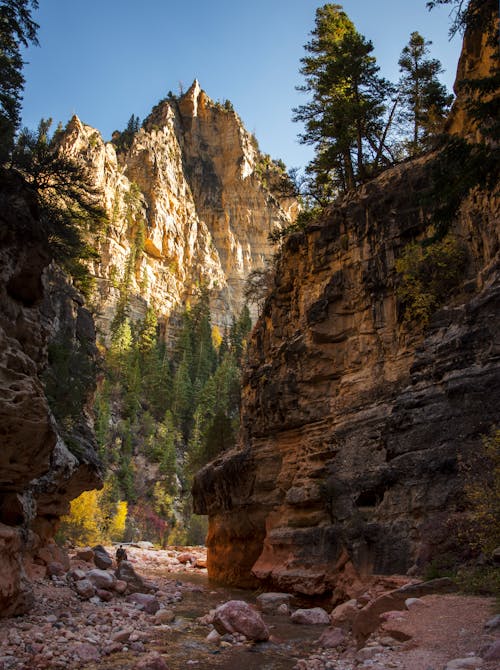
102 559
120 586
85 554
236 616
344 614
313 616
104 595
146 602
368 619
85 589
186 557
101 579
271 602
54 568
75 574
52 553
135 583
332 638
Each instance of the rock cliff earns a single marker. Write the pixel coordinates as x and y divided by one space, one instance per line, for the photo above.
186 206
44 463
353 421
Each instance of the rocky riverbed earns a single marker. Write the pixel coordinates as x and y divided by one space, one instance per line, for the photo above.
177 621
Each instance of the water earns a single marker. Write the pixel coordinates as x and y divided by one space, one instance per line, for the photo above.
185 646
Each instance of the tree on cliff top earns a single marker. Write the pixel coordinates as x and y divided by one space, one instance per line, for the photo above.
344 119
425 100
17 29
68 202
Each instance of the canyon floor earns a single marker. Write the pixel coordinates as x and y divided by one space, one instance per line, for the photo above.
65 632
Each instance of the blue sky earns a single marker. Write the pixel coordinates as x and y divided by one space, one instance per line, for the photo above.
107 59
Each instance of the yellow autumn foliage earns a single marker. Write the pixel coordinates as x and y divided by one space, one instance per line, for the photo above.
94 519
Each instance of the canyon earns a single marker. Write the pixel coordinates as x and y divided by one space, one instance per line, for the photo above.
354 417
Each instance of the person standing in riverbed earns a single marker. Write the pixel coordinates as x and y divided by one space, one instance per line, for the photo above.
121 554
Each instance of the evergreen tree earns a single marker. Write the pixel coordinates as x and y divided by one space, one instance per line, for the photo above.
425 100
17 29
182 394
70 211
344 119
123 140
148 332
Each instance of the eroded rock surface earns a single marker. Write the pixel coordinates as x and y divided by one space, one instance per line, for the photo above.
189 186
40 475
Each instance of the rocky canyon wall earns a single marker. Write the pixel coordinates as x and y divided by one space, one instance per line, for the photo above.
353 420
189 185
45 461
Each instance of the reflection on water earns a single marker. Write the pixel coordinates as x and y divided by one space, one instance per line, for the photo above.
187 641
184 646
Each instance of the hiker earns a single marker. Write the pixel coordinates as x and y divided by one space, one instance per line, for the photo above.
121 554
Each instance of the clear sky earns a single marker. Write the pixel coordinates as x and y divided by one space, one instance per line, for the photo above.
107 59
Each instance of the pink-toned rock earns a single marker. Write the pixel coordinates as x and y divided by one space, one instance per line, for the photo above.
200 562
313 616
85 589
271 602
52 553
120 586
55 569
236 616
152 661
86 652
102 559
344 614
85 554
164 616
331 638
135 583
104 595
122 636
76 574
112 648
145 601
101 579
186 558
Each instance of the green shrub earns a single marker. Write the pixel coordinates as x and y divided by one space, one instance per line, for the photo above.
428 274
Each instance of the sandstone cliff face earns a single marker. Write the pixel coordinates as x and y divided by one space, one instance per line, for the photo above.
352 421
189 179
40 475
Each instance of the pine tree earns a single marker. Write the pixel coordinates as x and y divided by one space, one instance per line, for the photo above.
425 100
344 119
17 29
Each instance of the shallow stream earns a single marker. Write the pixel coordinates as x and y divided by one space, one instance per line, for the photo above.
186 647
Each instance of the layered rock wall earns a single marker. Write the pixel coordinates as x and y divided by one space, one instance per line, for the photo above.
40 473
189 179
352 423
353 420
